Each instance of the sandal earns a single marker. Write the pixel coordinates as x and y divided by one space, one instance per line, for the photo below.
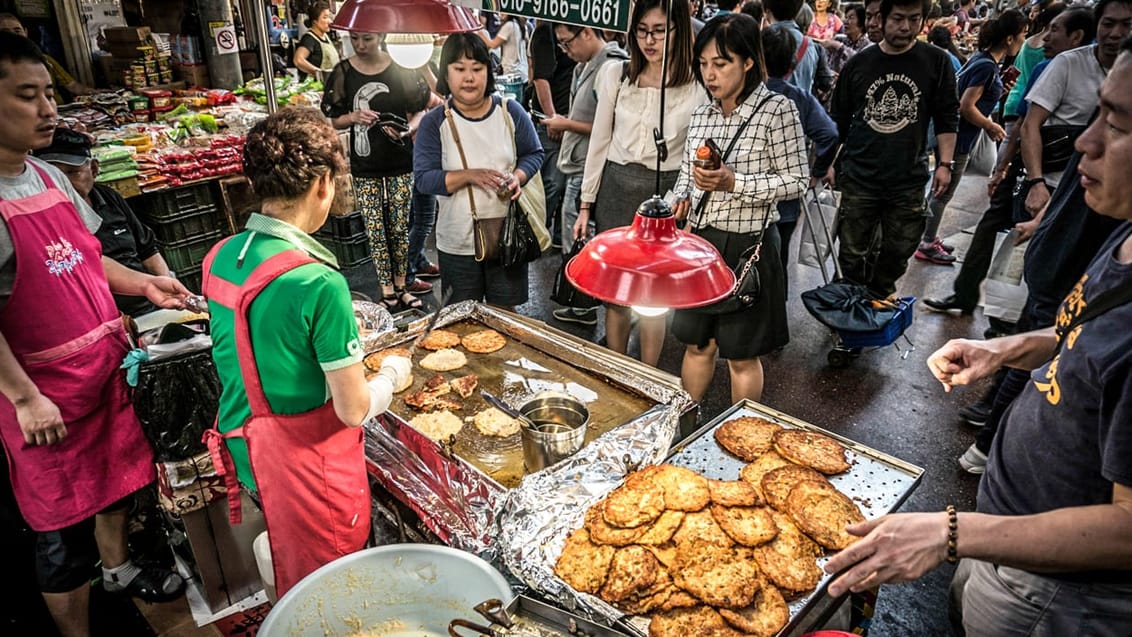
392 302
407 300
152 584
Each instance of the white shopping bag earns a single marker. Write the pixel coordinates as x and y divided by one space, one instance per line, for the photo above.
1004 293
819 227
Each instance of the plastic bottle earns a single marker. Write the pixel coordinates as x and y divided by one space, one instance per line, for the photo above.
708 156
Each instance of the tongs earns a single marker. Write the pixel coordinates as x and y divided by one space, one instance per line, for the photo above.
500 623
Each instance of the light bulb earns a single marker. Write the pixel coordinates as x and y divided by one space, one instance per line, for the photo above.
410 50
649 312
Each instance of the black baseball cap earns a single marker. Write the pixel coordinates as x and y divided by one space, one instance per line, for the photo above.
67 147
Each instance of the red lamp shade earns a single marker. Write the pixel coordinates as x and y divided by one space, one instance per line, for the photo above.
404 16
652 264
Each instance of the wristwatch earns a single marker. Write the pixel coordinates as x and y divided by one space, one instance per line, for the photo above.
1031 182
950 165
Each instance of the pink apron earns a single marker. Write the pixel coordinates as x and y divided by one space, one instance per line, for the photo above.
309 467
66 333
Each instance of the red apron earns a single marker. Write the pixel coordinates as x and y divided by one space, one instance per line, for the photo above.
309 467
66 333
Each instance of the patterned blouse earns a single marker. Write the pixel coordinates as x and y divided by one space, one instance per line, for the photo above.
833 26
769 161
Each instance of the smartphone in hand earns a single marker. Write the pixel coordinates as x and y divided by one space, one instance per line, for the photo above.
1010 74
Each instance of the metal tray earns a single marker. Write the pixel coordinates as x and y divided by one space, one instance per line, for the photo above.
530 617
876 482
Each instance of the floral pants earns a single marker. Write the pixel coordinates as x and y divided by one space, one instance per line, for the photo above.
384 202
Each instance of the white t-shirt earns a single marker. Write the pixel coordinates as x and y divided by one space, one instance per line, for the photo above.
1068 87
513 53
27 185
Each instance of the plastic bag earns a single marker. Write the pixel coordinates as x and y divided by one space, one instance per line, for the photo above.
983 156
819 229
564 292
1004 293
176 401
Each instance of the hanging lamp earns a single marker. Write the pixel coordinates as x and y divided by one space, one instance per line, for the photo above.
409 24
652 265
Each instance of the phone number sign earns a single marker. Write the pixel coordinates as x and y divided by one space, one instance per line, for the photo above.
602 14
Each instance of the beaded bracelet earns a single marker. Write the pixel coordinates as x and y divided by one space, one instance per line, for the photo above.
952 534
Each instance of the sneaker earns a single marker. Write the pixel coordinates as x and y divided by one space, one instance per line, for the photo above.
976 415
973 460
430 271
575 315
418 287
946 247
934 253
947 304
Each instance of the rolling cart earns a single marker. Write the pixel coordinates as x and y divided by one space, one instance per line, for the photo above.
859 321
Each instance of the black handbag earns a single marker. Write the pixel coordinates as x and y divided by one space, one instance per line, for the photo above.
564 292
517 243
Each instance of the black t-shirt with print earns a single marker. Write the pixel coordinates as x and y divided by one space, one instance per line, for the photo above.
882 105
395 90
1068 436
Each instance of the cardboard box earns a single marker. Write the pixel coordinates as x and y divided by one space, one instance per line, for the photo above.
192 74
113 67
128 50
127 187
126 34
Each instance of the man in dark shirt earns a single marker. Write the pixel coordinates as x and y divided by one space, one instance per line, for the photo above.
551 73
883 102
123 237
1048 552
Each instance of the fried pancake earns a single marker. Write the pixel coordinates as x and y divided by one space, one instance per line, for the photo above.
465 385
823 512
699 527
754 472
733 493
429 397
437 384
483 341
444 360
635 503
437 425
664 553
440 339
651 598
749 526
583 564
680 599
684 489
663 528
747 437
373 361
492 422
719 576
764 617
789 561
602 533
777 483
633 569
812 450
685 622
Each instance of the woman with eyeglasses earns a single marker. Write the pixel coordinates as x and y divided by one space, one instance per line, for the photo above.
735 206
380 103
621 162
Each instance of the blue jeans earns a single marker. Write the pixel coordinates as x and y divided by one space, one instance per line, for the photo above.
422 219
570 202
553 181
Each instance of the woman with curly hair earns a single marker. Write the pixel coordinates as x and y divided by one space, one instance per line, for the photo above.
280 307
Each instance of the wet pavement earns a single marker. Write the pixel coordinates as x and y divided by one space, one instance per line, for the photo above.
885 399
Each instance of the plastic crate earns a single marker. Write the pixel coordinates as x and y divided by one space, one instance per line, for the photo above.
346 228
192 279
168 204
886 335
187 254
349 253
191 224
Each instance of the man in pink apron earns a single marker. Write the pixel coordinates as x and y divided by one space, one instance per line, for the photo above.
74 447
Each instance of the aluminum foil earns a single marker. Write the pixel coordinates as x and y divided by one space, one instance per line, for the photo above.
374 321
538 515
463 506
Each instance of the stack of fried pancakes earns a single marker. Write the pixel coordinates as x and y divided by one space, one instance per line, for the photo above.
712 557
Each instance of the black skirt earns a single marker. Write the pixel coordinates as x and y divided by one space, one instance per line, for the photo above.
753 332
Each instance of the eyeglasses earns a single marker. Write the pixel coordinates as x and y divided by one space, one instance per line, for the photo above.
565 44
656 34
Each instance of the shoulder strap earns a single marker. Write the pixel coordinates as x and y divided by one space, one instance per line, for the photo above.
802 48
460 148
1107 300
731 146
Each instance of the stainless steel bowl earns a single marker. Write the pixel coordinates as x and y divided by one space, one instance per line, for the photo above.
559 432
399 589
